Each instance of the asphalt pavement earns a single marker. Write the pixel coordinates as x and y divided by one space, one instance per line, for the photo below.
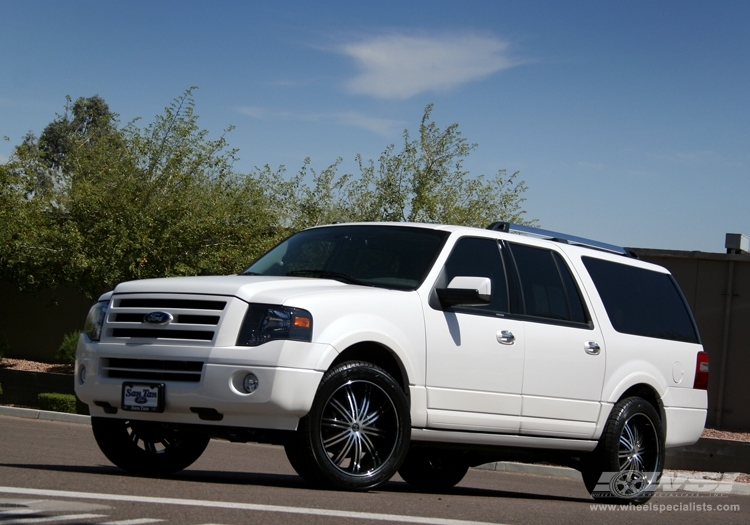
52 472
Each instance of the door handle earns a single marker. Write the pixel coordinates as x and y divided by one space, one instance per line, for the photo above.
506 337
592 347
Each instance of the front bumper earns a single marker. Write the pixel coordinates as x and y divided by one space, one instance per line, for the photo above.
284 393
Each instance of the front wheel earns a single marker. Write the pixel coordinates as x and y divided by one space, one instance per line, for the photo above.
627 464
147 448
357 432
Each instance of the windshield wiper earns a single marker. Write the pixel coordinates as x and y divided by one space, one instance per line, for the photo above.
325 274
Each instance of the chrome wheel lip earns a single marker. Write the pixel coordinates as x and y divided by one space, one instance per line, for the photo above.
357 424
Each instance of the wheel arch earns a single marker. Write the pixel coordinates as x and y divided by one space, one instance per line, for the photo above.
649 393
379 355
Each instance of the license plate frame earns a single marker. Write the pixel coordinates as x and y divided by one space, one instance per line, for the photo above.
143 397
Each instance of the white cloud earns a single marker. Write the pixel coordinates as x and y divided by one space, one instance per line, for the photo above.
380 126
398 66
254 112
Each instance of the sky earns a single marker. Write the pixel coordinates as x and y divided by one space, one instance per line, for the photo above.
628 121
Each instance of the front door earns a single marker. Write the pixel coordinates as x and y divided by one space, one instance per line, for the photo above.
475 356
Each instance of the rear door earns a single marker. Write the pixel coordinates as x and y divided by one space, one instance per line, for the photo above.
564 360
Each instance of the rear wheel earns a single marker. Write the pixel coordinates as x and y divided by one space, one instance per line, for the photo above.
627 464
147 448
432 469
357 432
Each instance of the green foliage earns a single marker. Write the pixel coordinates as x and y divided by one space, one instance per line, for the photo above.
57 402
1 389
121 203
67 352
94 203
424 182
82 123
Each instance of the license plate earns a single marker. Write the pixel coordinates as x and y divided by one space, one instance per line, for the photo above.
143 397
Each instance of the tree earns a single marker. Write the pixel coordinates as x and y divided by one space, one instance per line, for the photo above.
83 122
93 203
130 203
424 182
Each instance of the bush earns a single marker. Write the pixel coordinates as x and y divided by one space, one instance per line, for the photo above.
68 403
67 351
1 389
57 402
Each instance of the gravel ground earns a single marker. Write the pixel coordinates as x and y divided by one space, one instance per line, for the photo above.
34 366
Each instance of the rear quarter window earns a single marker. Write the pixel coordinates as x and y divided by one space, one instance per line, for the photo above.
642 302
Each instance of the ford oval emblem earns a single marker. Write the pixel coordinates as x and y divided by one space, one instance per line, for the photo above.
160 318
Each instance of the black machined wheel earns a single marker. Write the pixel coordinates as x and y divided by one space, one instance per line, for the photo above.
357 432
147 448
433 469
628 462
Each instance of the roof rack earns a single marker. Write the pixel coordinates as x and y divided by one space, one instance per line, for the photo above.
561 237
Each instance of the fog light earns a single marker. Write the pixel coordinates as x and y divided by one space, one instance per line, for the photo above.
250 383
82 374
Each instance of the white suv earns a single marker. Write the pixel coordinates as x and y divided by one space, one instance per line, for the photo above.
367 349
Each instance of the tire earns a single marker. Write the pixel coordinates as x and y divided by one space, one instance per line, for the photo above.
628 462
147 448
432 470
356 433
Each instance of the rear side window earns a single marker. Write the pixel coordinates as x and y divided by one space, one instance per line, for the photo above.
642 302
548 289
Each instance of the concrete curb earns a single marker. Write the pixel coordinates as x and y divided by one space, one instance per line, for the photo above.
32 413
673 481
527 468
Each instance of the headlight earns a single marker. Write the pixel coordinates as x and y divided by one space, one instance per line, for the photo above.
95 320
267 322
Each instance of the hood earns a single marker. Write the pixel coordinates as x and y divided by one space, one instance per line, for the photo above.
250 288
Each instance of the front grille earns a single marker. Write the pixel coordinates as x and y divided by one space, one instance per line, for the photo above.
194 319
183 304
180 319
163 334
153 370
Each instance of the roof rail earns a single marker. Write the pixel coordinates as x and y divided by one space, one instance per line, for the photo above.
561 237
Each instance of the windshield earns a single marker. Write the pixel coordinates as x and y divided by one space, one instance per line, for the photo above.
385 256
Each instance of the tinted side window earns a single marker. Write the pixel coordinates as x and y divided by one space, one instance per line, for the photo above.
547 286
473 257
642 302
578 311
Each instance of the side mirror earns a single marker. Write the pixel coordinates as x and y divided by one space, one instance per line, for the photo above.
467 291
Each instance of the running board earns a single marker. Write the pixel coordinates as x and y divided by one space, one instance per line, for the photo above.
501 440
